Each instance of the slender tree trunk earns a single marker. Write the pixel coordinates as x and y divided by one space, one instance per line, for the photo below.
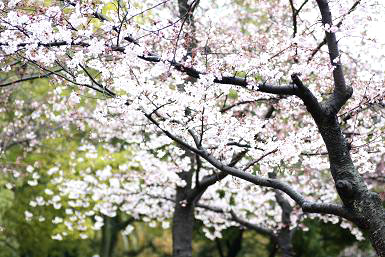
273 250
284 236
219 247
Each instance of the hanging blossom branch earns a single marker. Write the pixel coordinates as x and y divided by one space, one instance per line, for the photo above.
259 229
307 206
151 57
190 71
336 101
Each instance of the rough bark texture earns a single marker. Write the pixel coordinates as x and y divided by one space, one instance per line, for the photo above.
285 235
366 206
183 221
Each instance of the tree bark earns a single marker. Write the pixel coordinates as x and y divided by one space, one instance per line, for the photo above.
183 224
364 204
284 241
284 236
235 245
109 236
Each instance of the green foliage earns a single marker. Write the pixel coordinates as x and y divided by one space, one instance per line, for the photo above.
323 240
33 237
251 243
233 94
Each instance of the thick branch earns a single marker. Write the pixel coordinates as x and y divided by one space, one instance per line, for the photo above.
339 24
306 206
341 92
207 181
307 97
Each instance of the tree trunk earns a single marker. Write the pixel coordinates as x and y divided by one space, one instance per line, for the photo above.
284 241
183 220
110 231
364 204
273 248
183 223
235 245
284 236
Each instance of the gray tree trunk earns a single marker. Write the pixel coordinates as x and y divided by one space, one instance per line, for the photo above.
183 224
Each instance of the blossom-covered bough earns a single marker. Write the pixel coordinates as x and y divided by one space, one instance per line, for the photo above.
209 91
281 238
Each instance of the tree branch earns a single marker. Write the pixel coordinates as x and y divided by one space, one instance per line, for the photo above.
310 101
339 24
258 229
341 92
284 204
30 78
207 181
252 163
306 205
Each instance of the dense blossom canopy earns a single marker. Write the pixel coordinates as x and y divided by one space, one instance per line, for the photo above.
137 72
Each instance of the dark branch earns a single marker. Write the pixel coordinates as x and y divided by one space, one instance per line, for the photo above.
339 24
306 206
259 229
307 97
252 163
30 78
294 17
264 231
341 92
209 180
226 108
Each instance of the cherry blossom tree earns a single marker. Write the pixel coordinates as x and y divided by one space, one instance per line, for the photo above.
203 86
